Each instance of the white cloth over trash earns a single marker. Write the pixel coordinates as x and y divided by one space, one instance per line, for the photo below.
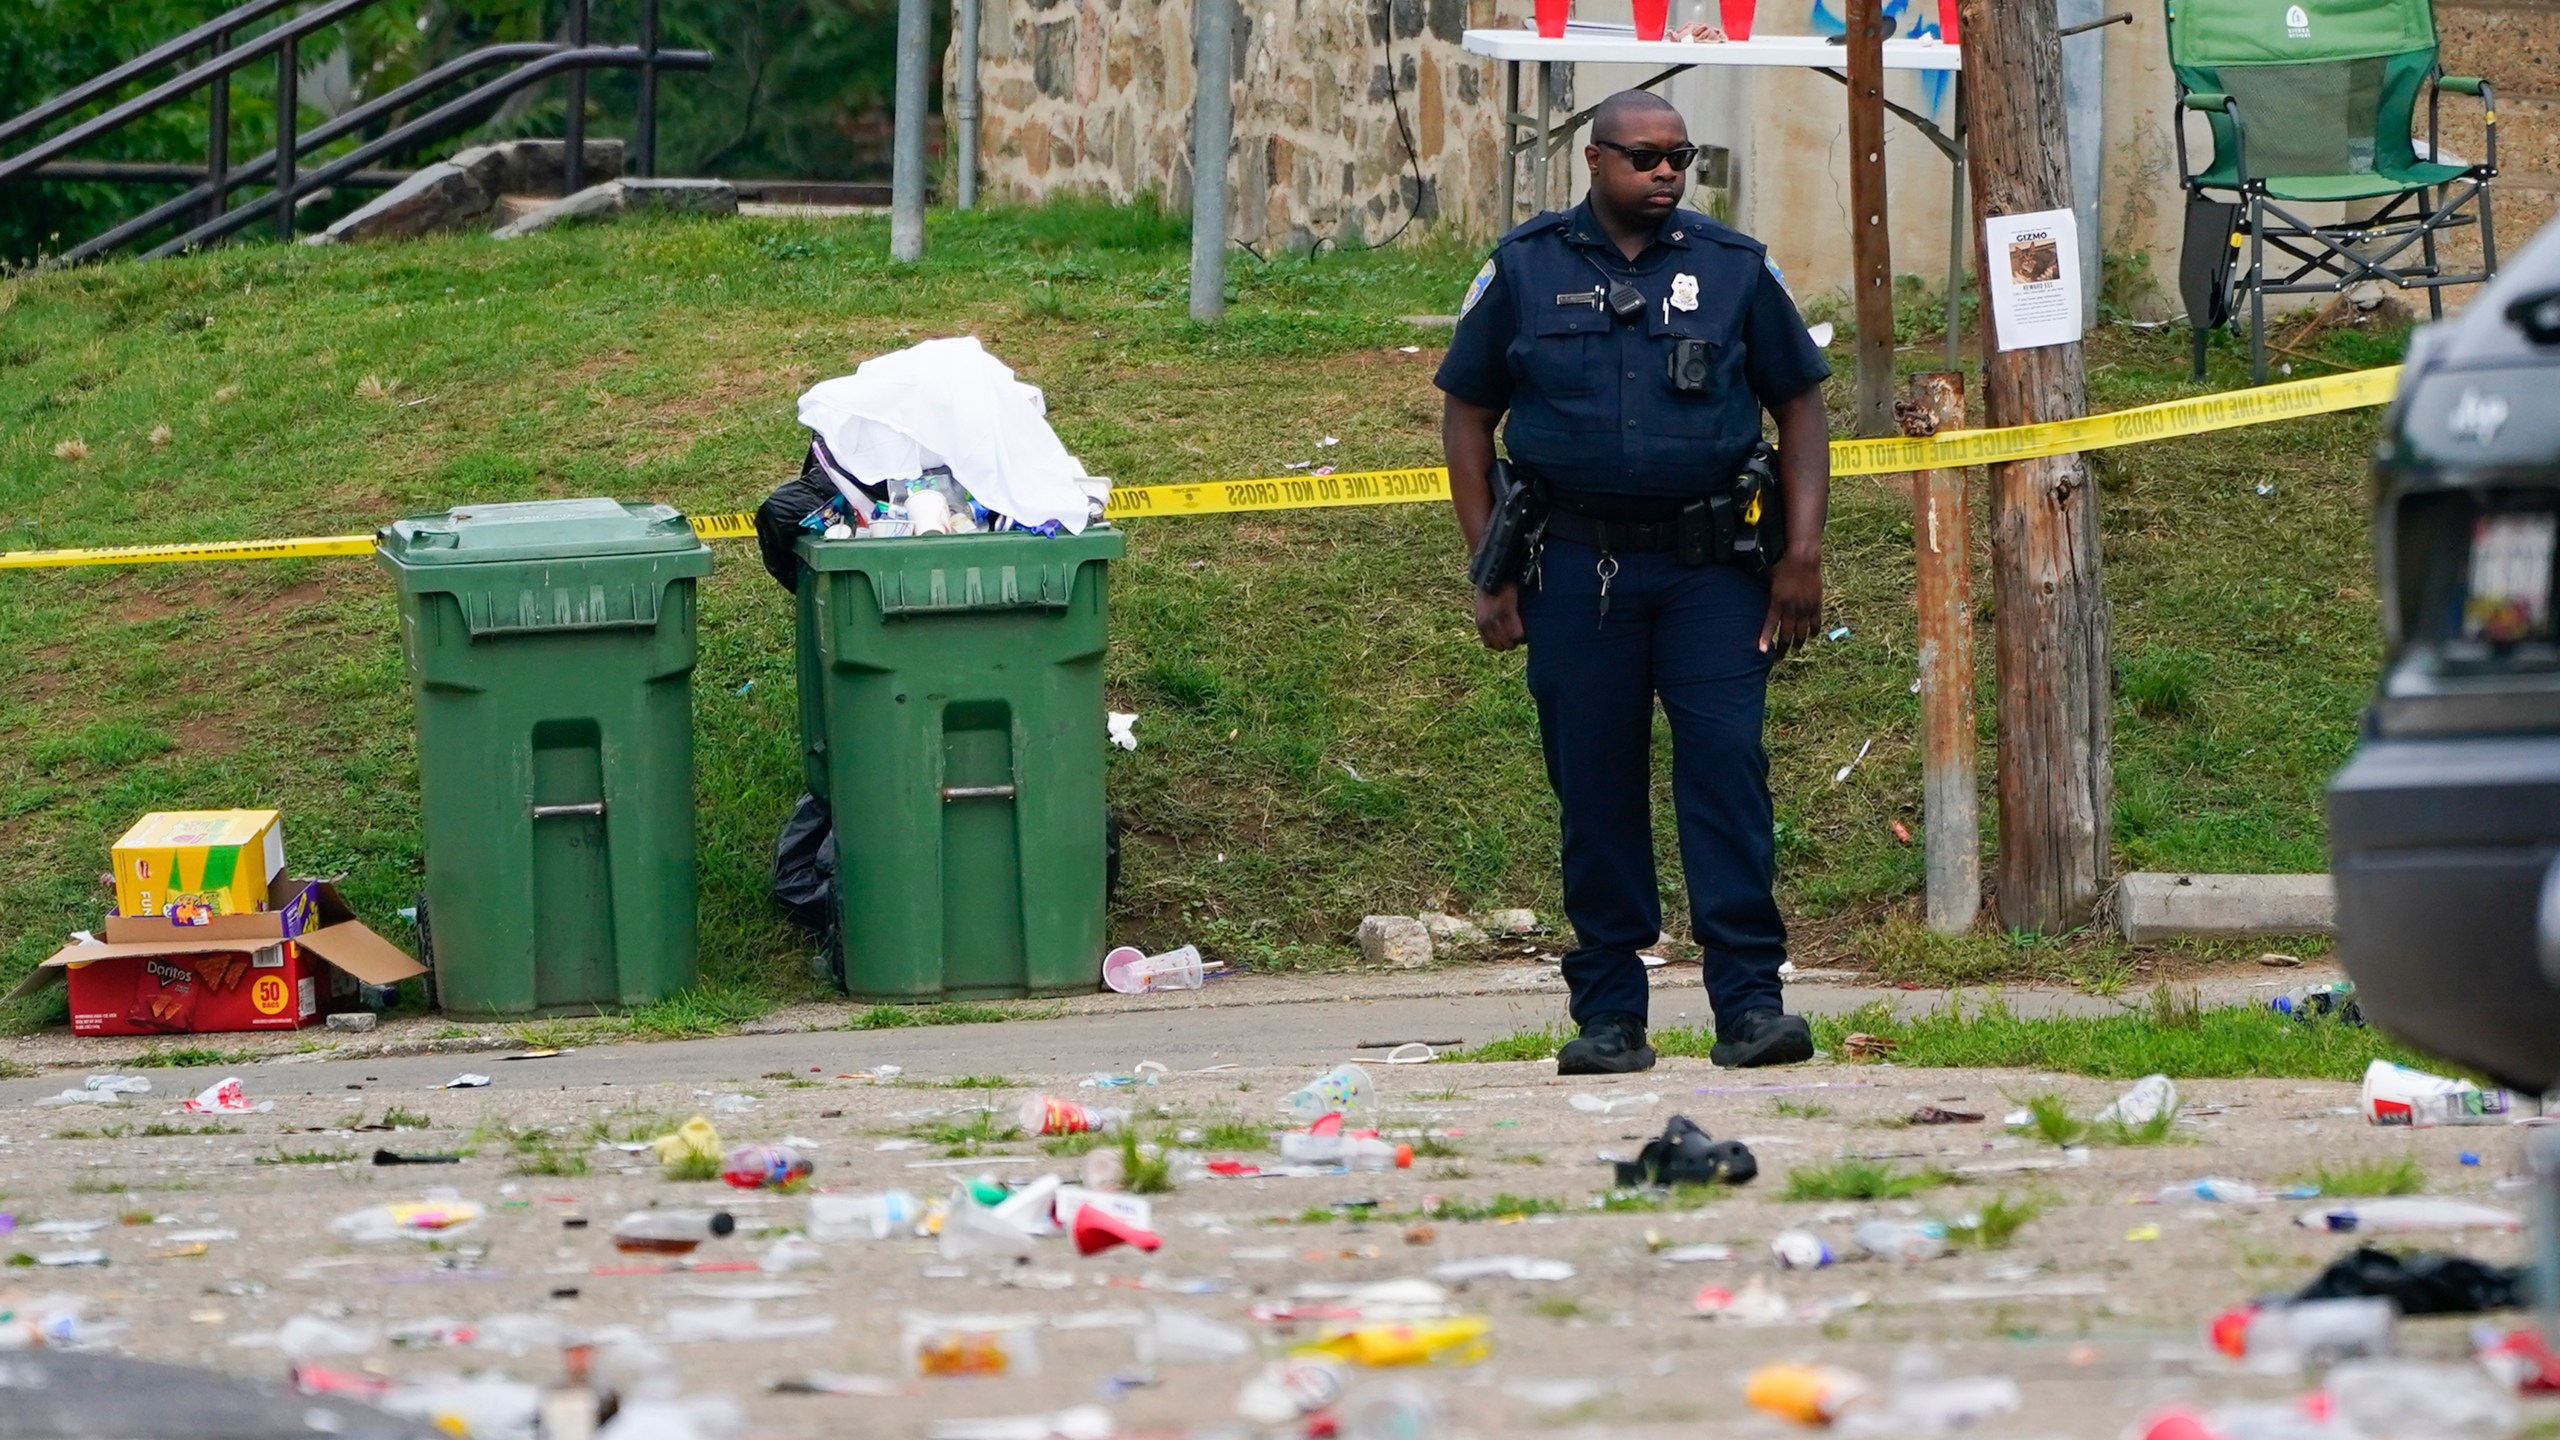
949 402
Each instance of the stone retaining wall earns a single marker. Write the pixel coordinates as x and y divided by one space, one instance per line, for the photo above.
1095 96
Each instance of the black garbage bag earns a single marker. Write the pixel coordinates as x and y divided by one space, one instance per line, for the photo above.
804 866
804 505
1685 1155
2427 1283
804 878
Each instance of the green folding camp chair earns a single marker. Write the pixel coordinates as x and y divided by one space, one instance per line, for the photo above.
2312 102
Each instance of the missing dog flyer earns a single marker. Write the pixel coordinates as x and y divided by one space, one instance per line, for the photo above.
2035 278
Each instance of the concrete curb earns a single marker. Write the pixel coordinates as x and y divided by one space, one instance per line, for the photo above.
2159 905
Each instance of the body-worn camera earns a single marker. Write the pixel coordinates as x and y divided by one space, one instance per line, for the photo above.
1690 365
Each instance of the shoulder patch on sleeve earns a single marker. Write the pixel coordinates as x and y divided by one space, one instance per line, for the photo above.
1475 289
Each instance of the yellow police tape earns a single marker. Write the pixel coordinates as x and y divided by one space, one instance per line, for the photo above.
2229 409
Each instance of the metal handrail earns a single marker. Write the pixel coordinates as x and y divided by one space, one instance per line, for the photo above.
277 168
217 28
220 67
250 172
424 125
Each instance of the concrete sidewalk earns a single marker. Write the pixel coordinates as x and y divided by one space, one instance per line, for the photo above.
1284 1021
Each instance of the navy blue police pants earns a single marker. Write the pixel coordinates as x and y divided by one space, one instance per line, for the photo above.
1691 637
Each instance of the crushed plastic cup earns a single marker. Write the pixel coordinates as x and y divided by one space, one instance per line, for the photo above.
2151 1097
863 1217
81 1097
2400 1095
1048 1115
1131 971
1930 1404
1104 1169
978 1346
1345 1089
789 1253
440 1216
1286 1390
226 1096
1033 1208
971 1231
1756 1303
1179 1337
1904 1242
1591 1104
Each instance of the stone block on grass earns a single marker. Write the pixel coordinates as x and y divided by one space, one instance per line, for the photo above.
1398 940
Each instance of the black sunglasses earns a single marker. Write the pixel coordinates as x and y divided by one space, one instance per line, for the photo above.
1645 159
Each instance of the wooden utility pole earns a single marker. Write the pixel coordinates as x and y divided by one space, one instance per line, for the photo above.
1944 540
2056 788
1871 250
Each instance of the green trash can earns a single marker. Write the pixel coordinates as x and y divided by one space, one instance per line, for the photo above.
952 716
551 647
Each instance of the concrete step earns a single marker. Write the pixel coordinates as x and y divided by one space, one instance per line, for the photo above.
2156 905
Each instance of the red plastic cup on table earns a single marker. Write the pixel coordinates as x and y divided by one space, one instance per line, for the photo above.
1735 16
1947 21
1651 17
1551 17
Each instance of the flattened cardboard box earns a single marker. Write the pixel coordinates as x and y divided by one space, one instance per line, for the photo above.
277 969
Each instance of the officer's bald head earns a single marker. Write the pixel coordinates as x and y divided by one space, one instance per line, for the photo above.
1628 126
1633 110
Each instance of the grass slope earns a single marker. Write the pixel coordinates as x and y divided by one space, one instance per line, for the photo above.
1322 737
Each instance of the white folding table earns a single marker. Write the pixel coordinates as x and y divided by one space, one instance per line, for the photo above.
1540 136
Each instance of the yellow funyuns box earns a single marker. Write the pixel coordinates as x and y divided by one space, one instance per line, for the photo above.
188 866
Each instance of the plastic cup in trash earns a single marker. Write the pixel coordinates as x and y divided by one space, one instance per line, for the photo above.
1131 973
1119 969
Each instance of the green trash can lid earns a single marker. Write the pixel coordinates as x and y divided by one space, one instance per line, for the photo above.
537 530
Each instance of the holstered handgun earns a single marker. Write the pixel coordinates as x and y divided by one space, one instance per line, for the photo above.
1502 556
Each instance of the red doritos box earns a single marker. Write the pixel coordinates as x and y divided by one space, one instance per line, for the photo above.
277 969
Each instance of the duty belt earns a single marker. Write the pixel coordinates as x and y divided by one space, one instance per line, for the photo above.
1624 537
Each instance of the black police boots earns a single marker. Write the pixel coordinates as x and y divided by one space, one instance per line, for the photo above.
1763 1037
1609 1045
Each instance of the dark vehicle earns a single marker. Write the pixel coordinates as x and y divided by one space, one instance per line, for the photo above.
2445 826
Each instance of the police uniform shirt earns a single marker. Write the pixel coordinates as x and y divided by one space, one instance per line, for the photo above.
1590 398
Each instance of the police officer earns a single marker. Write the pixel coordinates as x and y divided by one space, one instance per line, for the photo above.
1611 616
